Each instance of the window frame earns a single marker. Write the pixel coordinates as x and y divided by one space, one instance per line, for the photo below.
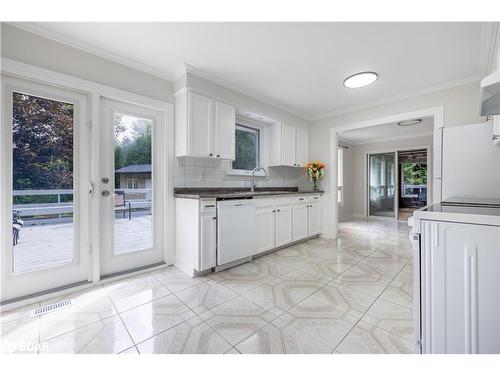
340 175
135 181
254 128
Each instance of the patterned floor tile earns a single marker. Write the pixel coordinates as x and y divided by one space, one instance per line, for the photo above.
363 278
280 337
155 317
368 339
107 336
176 280
391 317
193 336
400 293
204 296
135 294
237 319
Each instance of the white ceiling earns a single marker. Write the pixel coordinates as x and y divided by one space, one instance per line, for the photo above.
387 132
300 66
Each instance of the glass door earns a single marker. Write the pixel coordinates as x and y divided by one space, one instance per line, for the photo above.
45 188
132 188
382 184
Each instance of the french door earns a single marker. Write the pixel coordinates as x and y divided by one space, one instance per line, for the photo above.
131 187
382 185
44 192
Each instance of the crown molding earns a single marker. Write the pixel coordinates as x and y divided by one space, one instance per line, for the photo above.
89 48
407 95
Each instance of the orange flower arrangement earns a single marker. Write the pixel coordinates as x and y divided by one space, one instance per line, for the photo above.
314 170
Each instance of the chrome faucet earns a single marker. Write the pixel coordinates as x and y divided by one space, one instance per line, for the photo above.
254 181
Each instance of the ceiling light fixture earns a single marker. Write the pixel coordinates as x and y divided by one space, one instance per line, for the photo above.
359 80
410 122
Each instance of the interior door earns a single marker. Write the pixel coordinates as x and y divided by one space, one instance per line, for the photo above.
132 187
382 184
45 184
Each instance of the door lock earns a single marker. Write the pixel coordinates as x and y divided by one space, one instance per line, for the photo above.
105 180
105 193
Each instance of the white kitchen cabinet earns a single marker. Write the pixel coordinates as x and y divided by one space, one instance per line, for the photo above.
496 131
204 127
460 284
208 230
300 227
265 229
289 146
225 122
195 234
283 224
314 219
302 147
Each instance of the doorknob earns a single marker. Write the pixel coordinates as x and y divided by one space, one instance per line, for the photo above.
105 193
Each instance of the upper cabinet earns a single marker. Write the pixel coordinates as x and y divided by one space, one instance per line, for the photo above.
204 127
289 146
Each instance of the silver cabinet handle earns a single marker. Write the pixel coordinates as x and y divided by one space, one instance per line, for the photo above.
105 193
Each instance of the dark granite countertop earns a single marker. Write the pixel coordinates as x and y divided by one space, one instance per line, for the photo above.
229 192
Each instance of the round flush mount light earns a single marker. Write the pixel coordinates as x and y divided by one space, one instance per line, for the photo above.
359 80
410 122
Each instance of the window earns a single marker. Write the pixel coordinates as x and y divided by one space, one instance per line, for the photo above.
247 151
340 175
132 183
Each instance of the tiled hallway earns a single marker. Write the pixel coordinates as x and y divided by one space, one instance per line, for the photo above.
353 295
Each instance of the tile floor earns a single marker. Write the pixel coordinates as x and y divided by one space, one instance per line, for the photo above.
353 295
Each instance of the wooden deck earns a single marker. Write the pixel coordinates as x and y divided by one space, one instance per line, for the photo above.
46 245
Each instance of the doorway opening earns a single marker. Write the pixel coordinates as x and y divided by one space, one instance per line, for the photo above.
412 170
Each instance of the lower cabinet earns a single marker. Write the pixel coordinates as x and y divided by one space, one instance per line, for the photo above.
314 219
283 225
265 229
284 220
207 248
300 221
460 284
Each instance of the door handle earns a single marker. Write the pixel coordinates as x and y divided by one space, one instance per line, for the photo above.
105 193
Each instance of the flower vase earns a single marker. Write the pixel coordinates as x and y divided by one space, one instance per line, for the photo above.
315 187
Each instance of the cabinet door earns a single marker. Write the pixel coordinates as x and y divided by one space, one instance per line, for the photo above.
299 219
283 217
200 125
288 145
225 122
461 288
207 249
302 147
314 219
265 229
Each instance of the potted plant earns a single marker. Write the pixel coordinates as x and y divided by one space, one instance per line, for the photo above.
315 172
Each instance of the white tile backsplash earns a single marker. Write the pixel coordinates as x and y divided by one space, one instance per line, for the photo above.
191 172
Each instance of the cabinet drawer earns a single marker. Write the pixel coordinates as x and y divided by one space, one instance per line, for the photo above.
283 200
299 199
208 205
264 202
314 198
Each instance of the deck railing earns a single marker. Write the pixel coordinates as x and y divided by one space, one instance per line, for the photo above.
57 208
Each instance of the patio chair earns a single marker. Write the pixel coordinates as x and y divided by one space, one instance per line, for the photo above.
17 223
121 204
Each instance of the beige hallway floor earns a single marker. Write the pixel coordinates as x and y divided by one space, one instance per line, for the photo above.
352 295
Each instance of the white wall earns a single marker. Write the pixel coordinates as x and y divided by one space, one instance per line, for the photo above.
30 48
359 165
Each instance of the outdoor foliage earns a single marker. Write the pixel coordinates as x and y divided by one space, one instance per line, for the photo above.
133 142
246 150
415 173
42 144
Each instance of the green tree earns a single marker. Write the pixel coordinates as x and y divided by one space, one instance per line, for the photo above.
415 173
